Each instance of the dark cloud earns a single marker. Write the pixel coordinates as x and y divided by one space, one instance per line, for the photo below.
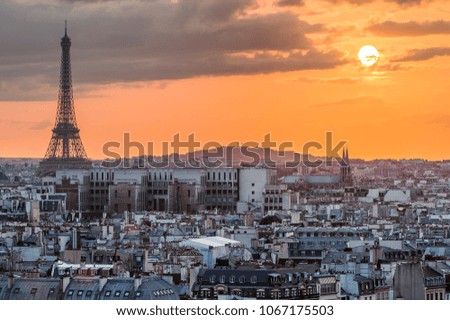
424 54
364 2
291 3
403 3
191 66
410 29
153 40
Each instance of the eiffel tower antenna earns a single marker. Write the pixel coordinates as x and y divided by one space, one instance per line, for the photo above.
65 150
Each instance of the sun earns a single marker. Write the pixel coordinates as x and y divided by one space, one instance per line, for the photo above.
368 55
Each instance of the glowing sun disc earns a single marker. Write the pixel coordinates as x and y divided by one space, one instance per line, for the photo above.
368 55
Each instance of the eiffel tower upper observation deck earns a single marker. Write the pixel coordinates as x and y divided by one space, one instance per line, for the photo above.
65 150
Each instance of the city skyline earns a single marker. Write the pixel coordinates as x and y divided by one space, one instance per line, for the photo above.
185 67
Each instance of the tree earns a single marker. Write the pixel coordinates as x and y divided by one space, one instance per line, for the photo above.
269 220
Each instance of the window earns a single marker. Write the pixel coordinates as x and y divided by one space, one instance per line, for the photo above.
80 293
212 279
117 293
275 294
286 293
126 294
108 293
222 279
253 279
205 293
33 290
241 279
236 292
260 293
89 293
70 293
138 294
232 279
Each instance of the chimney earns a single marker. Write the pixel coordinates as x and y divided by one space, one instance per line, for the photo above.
101 283
74 239
137 283
11 281
66 282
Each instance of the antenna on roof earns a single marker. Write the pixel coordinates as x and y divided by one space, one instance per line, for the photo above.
65 29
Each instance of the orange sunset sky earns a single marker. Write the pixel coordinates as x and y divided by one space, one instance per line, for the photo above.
230 71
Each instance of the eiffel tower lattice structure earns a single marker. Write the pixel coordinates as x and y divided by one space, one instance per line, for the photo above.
65 150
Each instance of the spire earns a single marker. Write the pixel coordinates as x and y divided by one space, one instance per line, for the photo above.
65 149
65 29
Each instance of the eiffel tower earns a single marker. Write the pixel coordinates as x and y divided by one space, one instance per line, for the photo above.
65 150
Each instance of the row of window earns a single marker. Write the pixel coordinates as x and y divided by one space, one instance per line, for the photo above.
222 184
116 193
164 292
80 293
315 243
118 293
435 296
101 176
221 175
215 200
32 291
231 279
158 191
326 234
273 207
160 176
383 295
261 293
273 200
225 191
434 281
